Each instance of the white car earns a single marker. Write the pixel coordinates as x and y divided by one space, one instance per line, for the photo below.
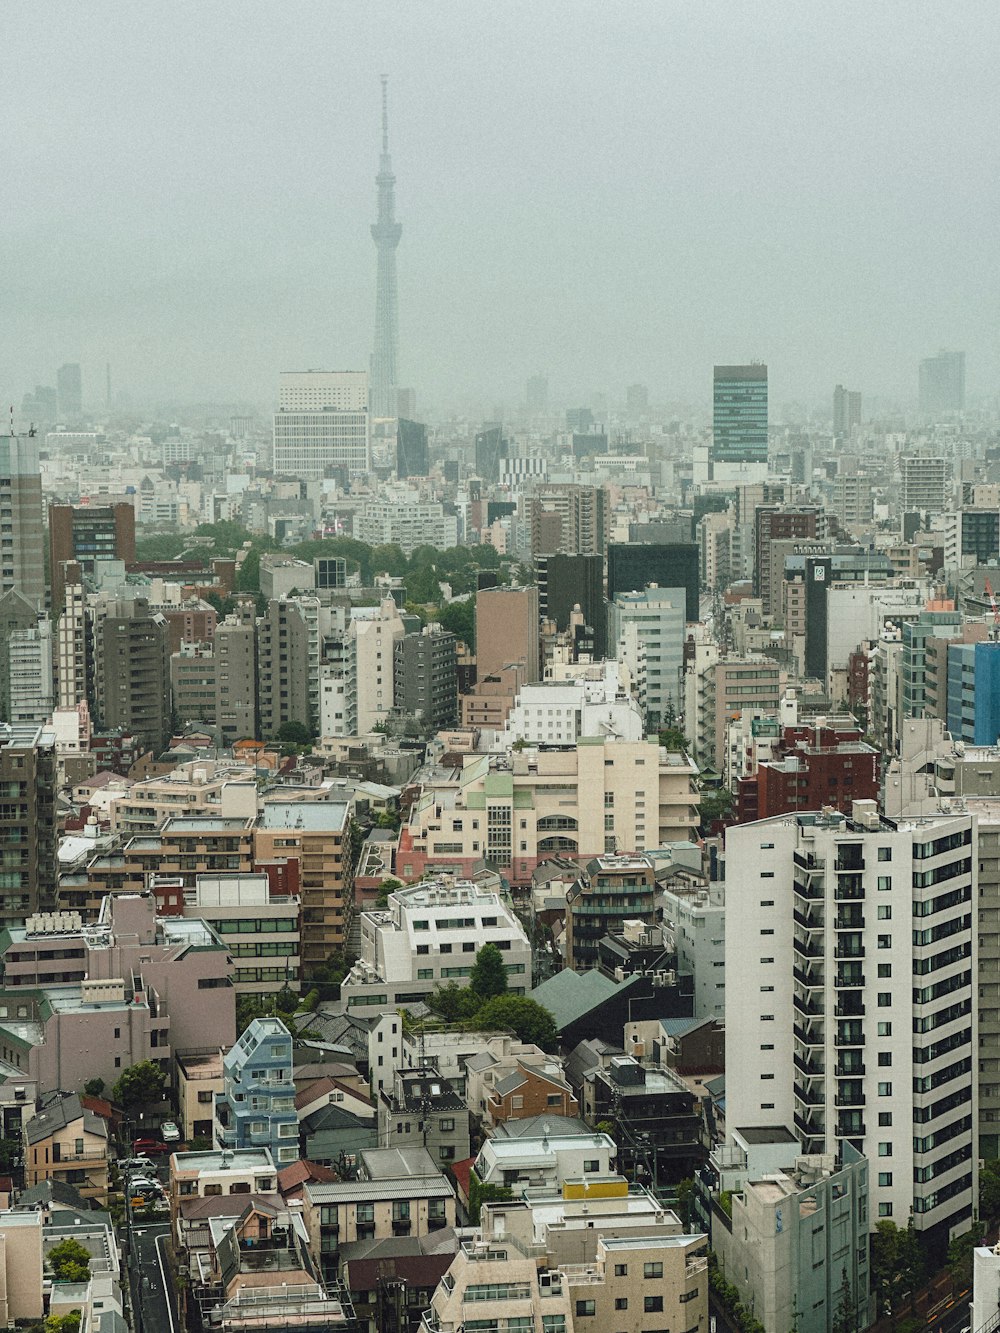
129 1164
169 1132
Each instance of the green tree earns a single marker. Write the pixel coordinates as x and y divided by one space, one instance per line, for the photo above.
70 1261
989 1190
94 1087
715 805
489 975
387 886
527 1019
453 1002
960 1254
294 733
845 1316
672 738
897 1263
66 1323
685 1194
139 1086
459 618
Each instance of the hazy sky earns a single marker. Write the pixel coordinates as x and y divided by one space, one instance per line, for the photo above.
601 190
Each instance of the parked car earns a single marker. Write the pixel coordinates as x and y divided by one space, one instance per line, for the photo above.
169 1132
152 1147
128 1164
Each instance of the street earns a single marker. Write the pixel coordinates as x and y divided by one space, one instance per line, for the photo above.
153 1304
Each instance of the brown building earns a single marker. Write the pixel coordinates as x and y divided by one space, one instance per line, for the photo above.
317 834
88 534
507 631
283 669
771 524
132 677
489 702
532 1087
193 622
64 1142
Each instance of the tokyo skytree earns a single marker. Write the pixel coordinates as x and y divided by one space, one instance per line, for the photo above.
385 233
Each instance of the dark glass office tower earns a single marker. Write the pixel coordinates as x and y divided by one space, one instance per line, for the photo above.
411 449
635 565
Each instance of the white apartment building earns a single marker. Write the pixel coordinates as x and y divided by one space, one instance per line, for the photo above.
694 920
560 712
850 945
72 648
430 935
647 628
29 657
401 518
322 422
259 928
374 630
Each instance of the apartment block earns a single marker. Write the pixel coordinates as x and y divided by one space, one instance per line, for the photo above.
858 1021
27 822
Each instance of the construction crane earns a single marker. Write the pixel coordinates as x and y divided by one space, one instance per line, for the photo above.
995 632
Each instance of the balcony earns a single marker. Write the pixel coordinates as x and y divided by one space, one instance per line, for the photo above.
849 951
853 1129
811 891
849 921
850 888
809 1065
809 1126
810 980
854 1070
808 1098
849 1099
811 1038
850 980
849 1039
808 1007
807 949
811 919
851 1008
850 859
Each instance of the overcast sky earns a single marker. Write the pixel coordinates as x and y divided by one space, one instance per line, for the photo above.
601 191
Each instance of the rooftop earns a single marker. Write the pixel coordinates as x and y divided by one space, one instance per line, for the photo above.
311 816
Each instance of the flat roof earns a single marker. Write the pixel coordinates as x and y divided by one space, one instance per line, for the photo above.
321 816
766 1134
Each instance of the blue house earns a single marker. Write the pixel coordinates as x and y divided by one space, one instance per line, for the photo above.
257 1107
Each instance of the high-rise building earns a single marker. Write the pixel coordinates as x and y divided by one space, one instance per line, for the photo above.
647 631
17 615
942 383
236 674
491 448
582 523
29 673
132 672
846 412
507 631
425 676
88 534
282 668
375 631
22 557
74 654
568 581
974 692
69 385
778 523
579 420
925 483
739 423
636 400
386 233
633 566
536 395
406 403
322 423
857 1007
411 449
27 822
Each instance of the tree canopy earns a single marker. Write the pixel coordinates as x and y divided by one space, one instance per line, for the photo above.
139 1086
527 1019
489 975
70 1261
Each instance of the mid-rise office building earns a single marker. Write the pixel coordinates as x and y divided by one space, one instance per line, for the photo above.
322 423
647 630
282 668
490 450
27 822
846 412
88 535
739 423
925 484
374 632
235 645
406 521
851 946
566 582
569 519
974 692
69 386
611 890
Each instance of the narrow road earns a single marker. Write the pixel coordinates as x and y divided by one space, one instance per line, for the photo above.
148 1272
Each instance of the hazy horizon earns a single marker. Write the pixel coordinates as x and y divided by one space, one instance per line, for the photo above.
602 194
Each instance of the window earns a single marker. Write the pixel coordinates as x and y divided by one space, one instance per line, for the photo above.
884 999
652 1304
767 1046
621 1270
592 1164
767 902
885 1059
885 1179
885 1210
885 1089
585 1308
885 1150
621 1302
421 925
767 1018
885 971
884 883
446 1125
767 960
652 1270
884 912
766 988
885 1029
885 1120
885 941
767 932
885 853
767 1076
426 948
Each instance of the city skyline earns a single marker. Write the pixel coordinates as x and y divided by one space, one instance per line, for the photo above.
603 230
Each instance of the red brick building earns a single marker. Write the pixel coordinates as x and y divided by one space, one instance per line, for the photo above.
813 767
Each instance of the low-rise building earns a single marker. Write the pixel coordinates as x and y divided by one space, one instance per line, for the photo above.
545 1159
610 891
67 1143
199 1081
424 1110
494 1284
257 1105
430 935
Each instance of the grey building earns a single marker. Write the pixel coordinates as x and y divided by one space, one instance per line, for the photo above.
282 668
423 1110
236 674
69 386
132 678
22 559
411 449
942 383
425 677
27 822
